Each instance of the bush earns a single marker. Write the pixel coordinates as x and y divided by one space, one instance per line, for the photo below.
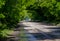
9 15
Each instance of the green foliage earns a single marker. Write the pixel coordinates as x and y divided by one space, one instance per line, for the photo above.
4 33
46 10
9 15
2 16
2 2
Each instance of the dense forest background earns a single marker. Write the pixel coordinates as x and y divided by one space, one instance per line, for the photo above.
14 11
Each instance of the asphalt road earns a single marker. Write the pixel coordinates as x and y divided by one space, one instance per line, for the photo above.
38 31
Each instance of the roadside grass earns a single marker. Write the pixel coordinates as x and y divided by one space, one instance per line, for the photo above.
4 33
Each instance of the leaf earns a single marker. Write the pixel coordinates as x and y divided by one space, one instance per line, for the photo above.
2 16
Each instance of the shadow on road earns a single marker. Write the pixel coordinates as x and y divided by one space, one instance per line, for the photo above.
50 35
53 34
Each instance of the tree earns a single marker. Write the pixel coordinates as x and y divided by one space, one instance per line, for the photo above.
46 10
